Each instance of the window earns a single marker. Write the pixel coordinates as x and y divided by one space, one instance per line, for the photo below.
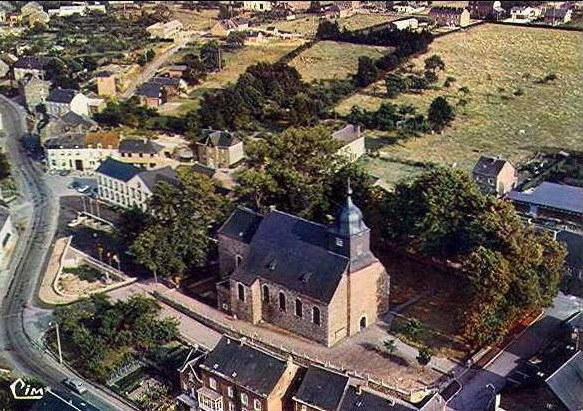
362 322
298 307
339 242
212 383
230 392
281 301
257 405
266 294
316 315
241 292
244 399
238 260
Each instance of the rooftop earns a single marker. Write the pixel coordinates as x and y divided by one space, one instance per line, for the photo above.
218 138
552 195
322 389
245 366
117 169
66 141
574 244
136 145
567 383
150 89
490 166
62 95
242 224
106 139
347 134
153 177
30 62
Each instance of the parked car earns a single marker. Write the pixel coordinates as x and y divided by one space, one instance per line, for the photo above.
75 385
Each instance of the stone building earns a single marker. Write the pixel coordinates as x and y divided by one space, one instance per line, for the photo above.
321 282
60 101
34 90
495 175
218 149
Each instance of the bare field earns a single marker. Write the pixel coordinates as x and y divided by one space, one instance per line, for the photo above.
332 60
198 21
507 112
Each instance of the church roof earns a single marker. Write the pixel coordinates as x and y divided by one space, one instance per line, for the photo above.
293 252
350 221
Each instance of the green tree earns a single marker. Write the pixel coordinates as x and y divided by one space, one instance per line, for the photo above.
276 177
434 63
440 113
210 54
424 356
327 30
177 235
367 72
236 39
396 85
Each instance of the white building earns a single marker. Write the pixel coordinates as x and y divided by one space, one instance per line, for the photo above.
352 142
8 236
172 30
257 5
128 186
81 9
407 24
81 152
61 101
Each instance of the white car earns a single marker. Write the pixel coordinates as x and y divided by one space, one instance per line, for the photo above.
75 385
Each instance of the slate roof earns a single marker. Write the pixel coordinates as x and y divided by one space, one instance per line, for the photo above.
241 225
74 119
574 244
105 74
489 166
165 81
446 11
202 169
153 177
293 253
4 214
61 401
552 195
62 95
245 366
30 62
149 89
347 134
556 13
135 145
567 383
67 141
117 169
322 388
365 401
217 138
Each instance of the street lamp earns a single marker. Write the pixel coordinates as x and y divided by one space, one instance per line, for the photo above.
56 325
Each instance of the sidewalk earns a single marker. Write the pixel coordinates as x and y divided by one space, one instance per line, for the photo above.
359 354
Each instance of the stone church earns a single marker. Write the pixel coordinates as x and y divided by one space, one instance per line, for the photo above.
320 282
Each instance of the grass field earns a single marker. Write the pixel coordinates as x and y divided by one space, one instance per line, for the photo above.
306 26
198 21
333 60
494 62
360 21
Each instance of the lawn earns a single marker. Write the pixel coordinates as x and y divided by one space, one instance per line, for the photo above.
360 21
305 26
196 20
333 60
495 62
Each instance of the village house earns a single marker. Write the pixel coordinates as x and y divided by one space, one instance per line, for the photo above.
80 9
142 152
152 95
176 71
218 149
172 30
29 65
495 175
352 142
81 152
320 282
258 5
406 24
106 84
126 185
70 123
60 101
555 17
237 375
551 200
34 91
450 16
326 390
524 14
222 28
485 10
170 85
8 236
410 7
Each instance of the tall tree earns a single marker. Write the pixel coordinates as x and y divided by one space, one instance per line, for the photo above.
440 113
434 63
367 72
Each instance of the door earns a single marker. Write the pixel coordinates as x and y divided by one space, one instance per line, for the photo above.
79 165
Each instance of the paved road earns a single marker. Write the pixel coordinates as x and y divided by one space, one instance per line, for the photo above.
22 321
480 386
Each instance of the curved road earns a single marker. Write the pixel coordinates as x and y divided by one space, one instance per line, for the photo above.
27 265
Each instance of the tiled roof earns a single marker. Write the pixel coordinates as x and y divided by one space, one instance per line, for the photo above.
217 138
322 389
551 195
134 145
117 169
242 224
293 253
62 95
106 139
355 400
245 366
489 166
567 383
153 177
